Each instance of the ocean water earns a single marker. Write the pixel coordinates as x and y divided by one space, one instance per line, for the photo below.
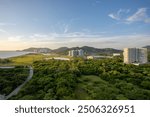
8 54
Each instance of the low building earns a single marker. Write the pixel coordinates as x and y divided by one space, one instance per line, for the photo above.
116 54
98 57
58 58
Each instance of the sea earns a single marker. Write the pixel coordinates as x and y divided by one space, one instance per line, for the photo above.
8 54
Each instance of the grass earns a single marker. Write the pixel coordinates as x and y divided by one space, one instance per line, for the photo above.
27 59
87 82
91 78
30 58
91 87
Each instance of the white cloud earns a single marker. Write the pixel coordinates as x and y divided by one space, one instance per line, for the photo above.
17 38
38 36
55 40
62 27
139 15
120 42
120 11
122 15
66 28
119 15
114 16
3 31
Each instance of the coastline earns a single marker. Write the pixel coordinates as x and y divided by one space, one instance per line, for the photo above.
9 54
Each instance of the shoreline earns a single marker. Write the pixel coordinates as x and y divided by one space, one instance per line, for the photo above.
10 54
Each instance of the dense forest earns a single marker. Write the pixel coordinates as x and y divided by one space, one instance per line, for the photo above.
11 78
87 79
5 61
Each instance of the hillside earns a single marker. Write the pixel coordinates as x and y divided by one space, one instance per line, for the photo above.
60 50
64 50
92 50
39 50
148 46
88 50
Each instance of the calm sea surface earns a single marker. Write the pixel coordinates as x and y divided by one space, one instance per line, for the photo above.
8 54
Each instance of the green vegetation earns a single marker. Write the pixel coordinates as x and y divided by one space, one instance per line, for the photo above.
30 58
149 55
87 79
93 87
11 78
4 61
27 59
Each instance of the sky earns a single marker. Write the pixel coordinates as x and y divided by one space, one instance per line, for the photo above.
70 23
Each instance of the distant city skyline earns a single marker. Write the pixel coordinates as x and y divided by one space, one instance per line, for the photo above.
70 23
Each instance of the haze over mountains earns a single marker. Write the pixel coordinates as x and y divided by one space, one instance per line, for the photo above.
148 47
64 50
87 50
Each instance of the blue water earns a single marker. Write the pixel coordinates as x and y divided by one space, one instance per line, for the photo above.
8 54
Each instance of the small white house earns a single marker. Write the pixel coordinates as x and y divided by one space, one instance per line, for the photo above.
116 54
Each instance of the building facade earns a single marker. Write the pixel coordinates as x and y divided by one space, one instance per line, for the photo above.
76 53
135 55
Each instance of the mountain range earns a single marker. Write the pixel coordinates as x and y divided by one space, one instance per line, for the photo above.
64 50
148 47
88 50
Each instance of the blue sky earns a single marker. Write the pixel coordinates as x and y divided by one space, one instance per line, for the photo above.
57 23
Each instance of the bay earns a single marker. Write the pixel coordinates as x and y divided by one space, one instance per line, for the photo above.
8 54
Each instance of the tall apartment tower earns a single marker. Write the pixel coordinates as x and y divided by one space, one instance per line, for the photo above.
73 53
76 53
80 52
135 55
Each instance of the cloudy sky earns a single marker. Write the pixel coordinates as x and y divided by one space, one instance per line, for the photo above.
57 23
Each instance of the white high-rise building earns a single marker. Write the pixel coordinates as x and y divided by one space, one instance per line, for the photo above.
73 53
76 53
135 55
80 52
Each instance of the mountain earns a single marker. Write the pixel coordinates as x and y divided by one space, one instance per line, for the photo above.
60 50
93 51
97 51
64 50
39 50
148 47
88 50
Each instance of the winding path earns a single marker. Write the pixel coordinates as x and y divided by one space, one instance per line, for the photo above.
19 87
7 67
